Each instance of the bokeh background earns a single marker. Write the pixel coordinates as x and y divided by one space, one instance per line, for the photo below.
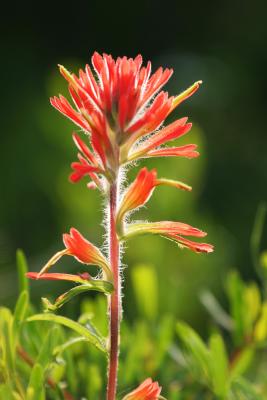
222 43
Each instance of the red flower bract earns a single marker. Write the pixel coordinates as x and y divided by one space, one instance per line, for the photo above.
80 248
116 104
148 390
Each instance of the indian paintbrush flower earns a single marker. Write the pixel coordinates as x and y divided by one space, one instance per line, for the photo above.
84 252
120 108
148 390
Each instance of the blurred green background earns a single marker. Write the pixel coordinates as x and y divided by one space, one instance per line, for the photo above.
222 43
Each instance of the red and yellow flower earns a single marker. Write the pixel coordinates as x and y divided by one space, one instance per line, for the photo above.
117 105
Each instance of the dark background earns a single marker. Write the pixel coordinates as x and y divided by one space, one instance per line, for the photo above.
223 43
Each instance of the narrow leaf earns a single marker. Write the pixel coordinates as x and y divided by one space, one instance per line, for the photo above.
216 311
219 365
35 390
98 285
20 312
89 334
22 268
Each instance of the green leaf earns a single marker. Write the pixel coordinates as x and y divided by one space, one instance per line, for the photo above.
6 393
35 390
244 390
45 356
145 285
197 351
98 285
235 289
20 313
219 365
216 311
242 362
263 260
256 235
164 338
260 331
69 343
7 340
22 268
88 332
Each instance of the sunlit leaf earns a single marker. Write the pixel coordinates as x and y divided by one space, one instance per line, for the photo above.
7 340
256 235
244 390
59 349
260 332
22 268
235 289
198 352
241 362
219 365
20 312
216 311
97 285
252 299
35 390
87 331
6 393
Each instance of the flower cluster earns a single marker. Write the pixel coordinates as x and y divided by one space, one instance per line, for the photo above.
116 107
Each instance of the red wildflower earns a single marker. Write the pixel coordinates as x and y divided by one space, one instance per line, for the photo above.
118 106
148 390
187 151
79 278
139 192
174 231
80 248
171 132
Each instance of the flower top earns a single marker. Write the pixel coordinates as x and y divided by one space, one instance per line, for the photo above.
117 104
148 390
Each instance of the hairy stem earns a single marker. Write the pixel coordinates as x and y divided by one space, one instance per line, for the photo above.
115 298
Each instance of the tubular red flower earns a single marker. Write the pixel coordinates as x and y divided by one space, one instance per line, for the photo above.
87 166
171 230
148 390
80 278
138 192
121 104
171 132
187 151
80 248
62 105
81 169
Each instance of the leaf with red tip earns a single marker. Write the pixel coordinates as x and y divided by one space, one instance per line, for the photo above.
171 230
187 151
185 94
57 277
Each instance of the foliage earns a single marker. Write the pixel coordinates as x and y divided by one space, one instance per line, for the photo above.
47 361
